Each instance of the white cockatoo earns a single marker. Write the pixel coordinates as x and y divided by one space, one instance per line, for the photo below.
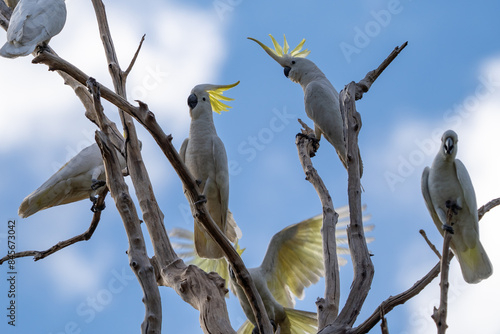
293 261
81 177
321 99
447 185
33 23
205 157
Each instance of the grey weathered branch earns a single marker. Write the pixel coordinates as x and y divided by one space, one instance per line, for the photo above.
439 315
431 245
363 266
138 257
38 255
487 207
328 307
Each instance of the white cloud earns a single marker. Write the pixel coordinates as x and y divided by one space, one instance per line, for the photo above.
472 308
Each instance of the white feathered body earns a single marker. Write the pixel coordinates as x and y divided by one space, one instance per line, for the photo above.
205 157
448 181
33 22
71 183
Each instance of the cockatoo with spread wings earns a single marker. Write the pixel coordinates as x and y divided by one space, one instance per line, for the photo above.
205 157
321 100
81 177
293 261
447 185
33 23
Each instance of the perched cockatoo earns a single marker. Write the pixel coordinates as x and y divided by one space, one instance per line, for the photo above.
205 157
321 100
447 185
293 261
81 177
33 22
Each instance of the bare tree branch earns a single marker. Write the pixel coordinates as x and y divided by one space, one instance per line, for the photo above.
487 207
440 314
132 62
431 245
365 83
38 255
138 258
328 307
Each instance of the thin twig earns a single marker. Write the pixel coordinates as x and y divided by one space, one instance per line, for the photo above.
431 245
38 255
487 207
371 76
132 62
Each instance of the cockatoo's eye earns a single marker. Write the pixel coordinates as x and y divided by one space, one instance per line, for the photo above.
204 99
293 62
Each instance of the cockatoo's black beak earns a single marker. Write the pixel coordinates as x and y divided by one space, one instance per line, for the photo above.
448 145
287 70
192 101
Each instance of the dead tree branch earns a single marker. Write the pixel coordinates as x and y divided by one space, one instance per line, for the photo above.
138 257
38 255
328 307
439 315
431 245
487 207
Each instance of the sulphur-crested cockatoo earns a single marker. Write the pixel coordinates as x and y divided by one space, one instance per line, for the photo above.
321 99
205 157
293 261
447 184
33 22
81 177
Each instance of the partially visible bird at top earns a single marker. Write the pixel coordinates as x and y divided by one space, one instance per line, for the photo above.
33 23
321 99
446 185
205 157
80 178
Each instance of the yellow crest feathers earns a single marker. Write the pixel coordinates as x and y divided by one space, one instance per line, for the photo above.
280 51
216 97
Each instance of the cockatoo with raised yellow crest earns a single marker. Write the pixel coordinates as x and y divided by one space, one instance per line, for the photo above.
446 185
293 261
205 157
33 23
321 99
80 178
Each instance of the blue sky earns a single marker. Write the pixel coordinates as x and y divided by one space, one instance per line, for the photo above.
447 77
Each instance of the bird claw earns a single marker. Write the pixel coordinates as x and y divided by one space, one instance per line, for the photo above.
453 206
96 208
448 228
96 184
